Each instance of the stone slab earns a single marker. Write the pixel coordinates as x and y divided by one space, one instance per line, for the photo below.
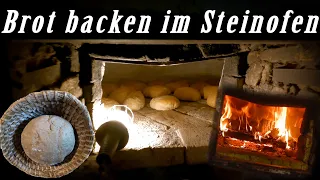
196 142
297 76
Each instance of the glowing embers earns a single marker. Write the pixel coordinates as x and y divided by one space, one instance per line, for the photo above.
269 129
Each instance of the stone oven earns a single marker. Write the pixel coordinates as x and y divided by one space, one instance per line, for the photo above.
263 118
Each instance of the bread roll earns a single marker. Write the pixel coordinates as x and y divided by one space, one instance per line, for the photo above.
108 88
164 103
48 139
121 94
207 90
136 85
199 86
187 94
108 103
177 84
156 91
135 101
211 101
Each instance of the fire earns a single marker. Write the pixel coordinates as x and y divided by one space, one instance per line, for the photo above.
262 122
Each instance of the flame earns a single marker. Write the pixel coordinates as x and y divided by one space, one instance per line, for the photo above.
261 121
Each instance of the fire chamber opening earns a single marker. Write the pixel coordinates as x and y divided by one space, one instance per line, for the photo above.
272 130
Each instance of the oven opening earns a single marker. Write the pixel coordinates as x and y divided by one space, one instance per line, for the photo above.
269 131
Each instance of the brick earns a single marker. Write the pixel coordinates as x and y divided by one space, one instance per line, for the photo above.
297 76
71 85
308 93
230 67
38 78
196 141
266 75
74 58
227 81
98 68
254 74
291 54
253 57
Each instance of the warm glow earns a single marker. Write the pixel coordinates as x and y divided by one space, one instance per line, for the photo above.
261 122
119 113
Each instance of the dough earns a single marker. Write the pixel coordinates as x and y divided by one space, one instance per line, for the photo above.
199 86
135 101
187 94
177 84
136 85
211 101
48 139
164 103
156 91
108 88
108 103
207 90
121 94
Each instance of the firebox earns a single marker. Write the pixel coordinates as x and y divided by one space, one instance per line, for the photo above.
272 134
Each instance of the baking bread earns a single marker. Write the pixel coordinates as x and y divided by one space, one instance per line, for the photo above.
211 100
156 91
177 84
164 103
108 88
108 103
136 85
187 94
135 101
48 139
207 90
121 94
199 86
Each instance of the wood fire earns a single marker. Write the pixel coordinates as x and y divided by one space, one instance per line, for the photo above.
267 129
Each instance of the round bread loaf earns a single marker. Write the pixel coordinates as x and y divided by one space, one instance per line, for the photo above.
108 103
135 101
211 100
199 86
121 94
177 84
207 90
164 103
136 85
187 94
156 91
48 139
108 88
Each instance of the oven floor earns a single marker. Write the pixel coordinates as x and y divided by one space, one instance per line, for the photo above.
166 138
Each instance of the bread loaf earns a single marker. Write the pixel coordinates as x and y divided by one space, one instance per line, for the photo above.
135 101
177 84
121 94
211 100
48 139
199 86
187 94
156 91
207 90
164 103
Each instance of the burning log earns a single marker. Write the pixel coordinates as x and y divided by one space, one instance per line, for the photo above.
249 137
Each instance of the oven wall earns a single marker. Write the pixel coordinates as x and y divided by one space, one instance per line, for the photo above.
208 68
37 66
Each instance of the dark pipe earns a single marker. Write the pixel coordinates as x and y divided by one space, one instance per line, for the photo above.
111 136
